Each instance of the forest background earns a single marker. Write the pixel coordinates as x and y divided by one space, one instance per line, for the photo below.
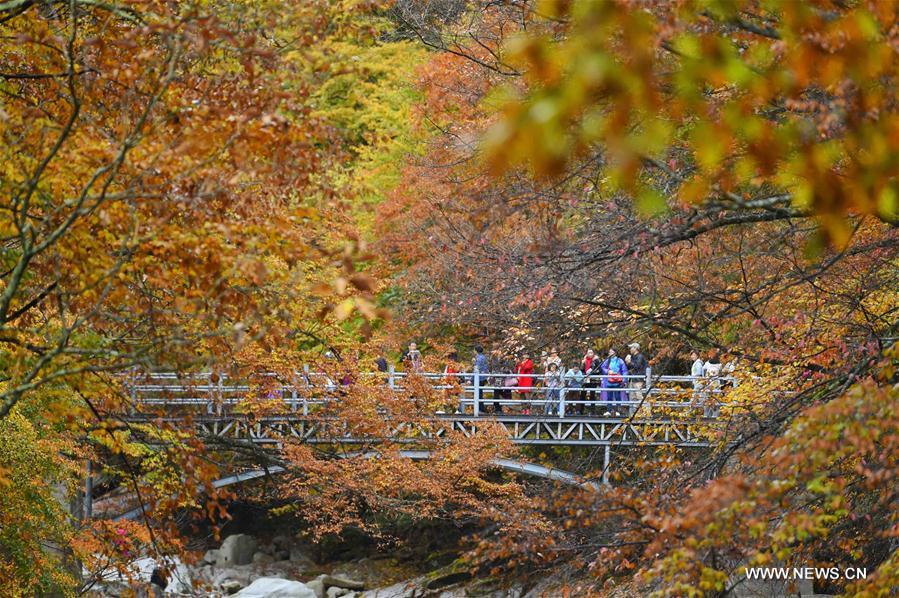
249 186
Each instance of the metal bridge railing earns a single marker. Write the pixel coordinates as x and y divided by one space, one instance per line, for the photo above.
471 392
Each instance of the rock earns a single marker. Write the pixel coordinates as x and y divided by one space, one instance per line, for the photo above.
403 589
282 542
172 572
449 579
231 586
757 588
211 556
242 577
769 589
281 555
273 587
375 572
317 586
203 572
335 592
338 581
179 581
237 550
260 558
298 555
282 569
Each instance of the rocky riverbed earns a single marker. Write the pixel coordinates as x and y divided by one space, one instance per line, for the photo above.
245 566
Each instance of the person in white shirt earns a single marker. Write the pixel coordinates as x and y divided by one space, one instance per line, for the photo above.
696 372
712 371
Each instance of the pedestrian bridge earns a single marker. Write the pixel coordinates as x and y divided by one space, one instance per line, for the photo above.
271 409
667 410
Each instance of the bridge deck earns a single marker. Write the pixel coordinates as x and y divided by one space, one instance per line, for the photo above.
668 410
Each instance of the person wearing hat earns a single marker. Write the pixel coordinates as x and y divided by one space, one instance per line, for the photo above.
636 364
554 358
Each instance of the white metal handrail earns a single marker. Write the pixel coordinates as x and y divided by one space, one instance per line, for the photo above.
218 390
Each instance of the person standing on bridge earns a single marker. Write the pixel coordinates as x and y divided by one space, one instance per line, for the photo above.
508 381
525 370
590 366
636 365
413 358
696 371
554 358
553 383
614 371
451 381
480 362
574 380
482 368
711 370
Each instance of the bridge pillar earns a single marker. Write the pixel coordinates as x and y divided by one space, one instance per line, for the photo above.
221 395
308 387
562 401
88 505
605 465
477 393
132 392
210 407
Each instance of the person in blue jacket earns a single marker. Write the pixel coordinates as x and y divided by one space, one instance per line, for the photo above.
614 382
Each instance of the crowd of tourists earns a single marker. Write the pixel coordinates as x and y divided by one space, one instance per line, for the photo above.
599 384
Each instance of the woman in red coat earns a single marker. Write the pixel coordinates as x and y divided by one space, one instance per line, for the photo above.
524 370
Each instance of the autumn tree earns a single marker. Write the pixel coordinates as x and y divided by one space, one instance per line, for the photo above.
681 174
160 210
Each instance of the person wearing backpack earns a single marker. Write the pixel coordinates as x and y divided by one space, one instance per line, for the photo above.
613 371
553 384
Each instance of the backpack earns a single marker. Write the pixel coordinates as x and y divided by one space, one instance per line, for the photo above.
615 377
712 369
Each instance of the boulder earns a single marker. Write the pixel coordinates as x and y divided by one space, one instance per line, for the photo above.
211 556
172 572
449 579
241 576
203 572
231 586
237 550
300 556
282 542
317 586
274 587
283 569
335 592
403 589
179 581
375 572
338 581
757 588
261 558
